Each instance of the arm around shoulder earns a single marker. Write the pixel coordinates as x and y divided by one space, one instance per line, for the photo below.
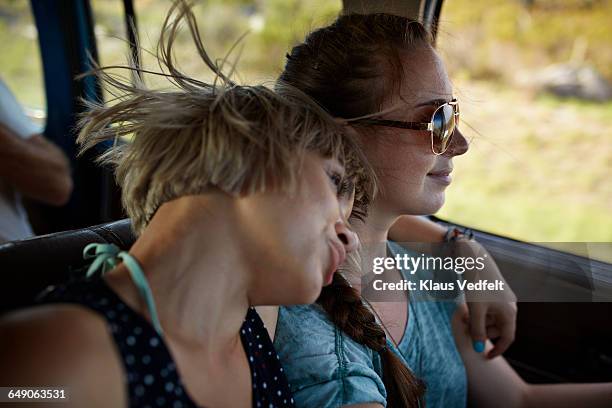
62 346
414 228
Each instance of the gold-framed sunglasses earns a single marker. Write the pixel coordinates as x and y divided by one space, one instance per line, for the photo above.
442 125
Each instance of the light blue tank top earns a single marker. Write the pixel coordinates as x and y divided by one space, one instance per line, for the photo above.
326 368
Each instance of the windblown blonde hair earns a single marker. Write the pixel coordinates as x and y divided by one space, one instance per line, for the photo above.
198 136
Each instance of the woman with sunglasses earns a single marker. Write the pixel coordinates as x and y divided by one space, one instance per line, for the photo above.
382 76
233 194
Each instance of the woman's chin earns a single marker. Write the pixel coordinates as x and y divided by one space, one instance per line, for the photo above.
434 203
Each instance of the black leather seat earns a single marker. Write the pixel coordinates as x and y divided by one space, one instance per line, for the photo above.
29 266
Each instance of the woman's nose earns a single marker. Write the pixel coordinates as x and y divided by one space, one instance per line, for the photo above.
458 145
348 238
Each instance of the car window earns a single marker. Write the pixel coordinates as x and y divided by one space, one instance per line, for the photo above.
262 28
21 67
272 27
534 79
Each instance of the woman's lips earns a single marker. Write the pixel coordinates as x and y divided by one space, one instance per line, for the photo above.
441 176
338 256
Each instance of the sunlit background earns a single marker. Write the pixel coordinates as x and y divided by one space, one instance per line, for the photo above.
533 77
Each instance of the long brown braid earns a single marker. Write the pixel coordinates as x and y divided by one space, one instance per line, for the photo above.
348 312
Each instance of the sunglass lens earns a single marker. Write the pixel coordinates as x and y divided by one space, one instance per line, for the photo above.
443 127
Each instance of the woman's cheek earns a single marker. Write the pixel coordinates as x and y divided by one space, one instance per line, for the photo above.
412 165
411 186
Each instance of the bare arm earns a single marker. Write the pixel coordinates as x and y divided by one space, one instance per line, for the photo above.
35 167
493 382
490 317
570 395
412 228
65 347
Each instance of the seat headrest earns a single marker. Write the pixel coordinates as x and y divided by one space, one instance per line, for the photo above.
29 266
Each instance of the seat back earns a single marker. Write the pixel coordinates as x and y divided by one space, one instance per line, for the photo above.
29 266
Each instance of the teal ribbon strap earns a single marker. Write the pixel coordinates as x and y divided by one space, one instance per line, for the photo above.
106 257
140 280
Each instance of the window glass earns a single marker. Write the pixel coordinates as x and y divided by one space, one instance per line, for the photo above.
110 32
266 29
21 67
271 28
534 79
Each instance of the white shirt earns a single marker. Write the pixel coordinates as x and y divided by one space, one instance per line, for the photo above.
14 222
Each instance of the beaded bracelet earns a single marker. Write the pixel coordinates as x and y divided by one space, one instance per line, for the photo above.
453 233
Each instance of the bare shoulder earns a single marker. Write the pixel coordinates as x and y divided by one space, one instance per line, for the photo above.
62 345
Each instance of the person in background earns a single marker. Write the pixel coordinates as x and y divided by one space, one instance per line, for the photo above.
30 166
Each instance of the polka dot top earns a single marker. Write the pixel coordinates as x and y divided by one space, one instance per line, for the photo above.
152 379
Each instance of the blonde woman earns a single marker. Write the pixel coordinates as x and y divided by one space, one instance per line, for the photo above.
233 193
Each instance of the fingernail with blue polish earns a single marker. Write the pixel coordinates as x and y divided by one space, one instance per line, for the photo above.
479 346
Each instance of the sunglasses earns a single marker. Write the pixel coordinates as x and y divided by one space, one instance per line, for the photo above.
443 123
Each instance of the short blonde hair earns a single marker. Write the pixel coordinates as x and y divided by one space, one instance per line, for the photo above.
198 136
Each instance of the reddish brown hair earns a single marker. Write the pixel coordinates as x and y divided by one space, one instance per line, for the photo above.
350 67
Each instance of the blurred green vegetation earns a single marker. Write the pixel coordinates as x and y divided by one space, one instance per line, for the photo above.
21 67
271 27
539 167
495 38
